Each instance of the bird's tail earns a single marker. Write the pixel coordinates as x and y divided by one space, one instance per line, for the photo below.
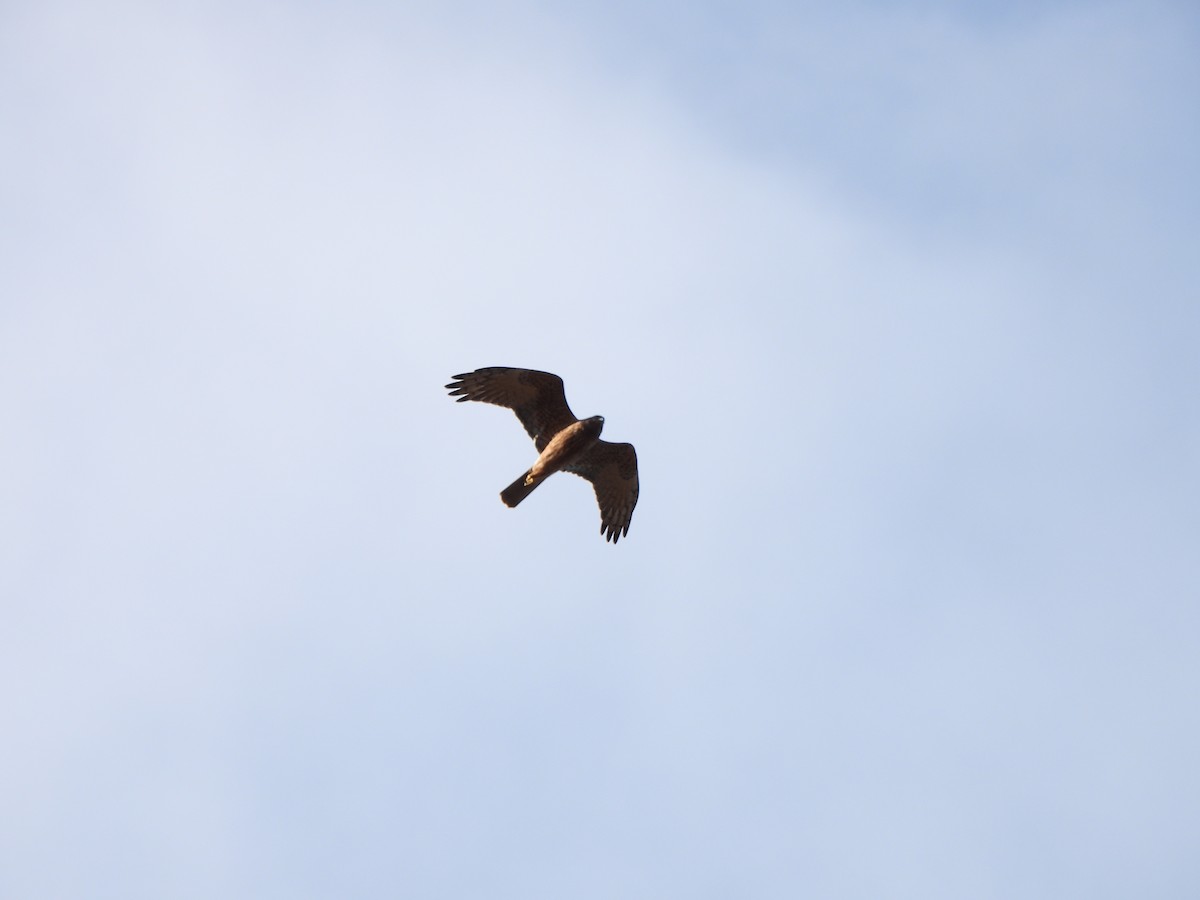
518 490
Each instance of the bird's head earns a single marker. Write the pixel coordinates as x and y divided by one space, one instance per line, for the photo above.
595 424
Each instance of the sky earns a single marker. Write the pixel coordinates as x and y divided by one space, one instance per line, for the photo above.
898 302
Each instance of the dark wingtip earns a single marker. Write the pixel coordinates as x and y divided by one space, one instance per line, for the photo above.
613 533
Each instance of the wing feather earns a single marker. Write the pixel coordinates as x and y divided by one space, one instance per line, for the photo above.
536 397
612 470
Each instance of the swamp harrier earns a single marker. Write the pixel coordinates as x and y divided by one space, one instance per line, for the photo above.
564 442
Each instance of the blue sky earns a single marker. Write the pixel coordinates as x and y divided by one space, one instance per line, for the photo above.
898 303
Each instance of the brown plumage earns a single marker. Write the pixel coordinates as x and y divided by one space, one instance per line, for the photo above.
564 443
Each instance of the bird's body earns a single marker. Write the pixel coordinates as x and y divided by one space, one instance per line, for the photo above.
564 443
564 448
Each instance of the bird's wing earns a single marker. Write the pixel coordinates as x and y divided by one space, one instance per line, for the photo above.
612 470
536 397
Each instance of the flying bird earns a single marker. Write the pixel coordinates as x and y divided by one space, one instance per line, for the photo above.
564 443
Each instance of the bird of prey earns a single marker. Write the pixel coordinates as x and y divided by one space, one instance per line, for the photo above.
564 443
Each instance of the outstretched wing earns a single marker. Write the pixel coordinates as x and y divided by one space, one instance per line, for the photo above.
536 397
612 470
